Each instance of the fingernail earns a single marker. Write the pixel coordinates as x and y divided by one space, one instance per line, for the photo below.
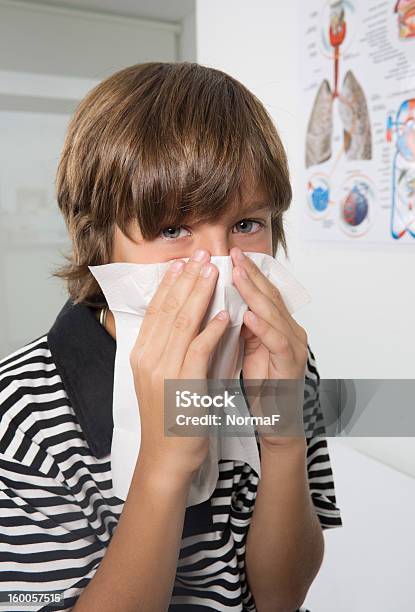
198 255
206 270
223 315
240 256
177 266
251 316
242 272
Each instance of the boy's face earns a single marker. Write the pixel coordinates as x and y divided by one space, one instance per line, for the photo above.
249 229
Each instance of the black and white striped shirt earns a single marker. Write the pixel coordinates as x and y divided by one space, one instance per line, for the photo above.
58 511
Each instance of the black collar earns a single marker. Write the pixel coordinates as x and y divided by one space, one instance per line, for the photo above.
84 355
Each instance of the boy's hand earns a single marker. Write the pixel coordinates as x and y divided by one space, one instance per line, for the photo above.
170 345
275 344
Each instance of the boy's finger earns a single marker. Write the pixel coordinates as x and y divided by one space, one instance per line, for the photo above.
171 305
196 362
169 278
187 323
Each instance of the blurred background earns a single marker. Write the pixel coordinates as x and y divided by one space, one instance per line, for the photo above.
361 320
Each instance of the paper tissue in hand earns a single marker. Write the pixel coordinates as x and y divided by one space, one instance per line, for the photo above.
128 289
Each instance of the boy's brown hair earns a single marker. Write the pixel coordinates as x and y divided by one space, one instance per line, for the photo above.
161 143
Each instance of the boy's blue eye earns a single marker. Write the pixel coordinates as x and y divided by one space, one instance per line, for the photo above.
173 232
247 224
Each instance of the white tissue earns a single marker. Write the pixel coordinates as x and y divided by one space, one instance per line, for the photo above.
128 289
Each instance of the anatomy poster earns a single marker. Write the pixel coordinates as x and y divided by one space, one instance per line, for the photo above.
358 110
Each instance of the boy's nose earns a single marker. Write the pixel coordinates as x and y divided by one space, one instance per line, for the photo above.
214 241
212 249
220 250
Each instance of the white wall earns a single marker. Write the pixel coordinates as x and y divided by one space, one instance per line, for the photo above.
55 40
360 322
368 562
49 59
187 39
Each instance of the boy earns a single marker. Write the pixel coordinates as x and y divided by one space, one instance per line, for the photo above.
154 148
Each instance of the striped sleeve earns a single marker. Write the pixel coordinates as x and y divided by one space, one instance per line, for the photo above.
241 509
49 534
320 474
45 542
319 470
